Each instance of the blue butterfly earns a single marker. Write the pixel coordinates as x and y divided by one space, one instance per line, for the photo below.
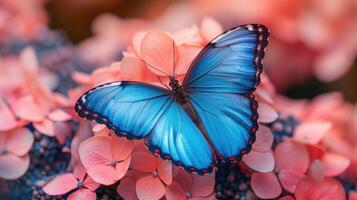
211 116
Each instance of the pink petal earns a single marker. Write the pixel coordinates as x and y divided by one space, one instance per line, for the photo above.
292 155
185 179
264 139
137 39
144 162
83 132
132 69
202 186
29 59
8 120
287 198
317 171
13 167
175 192
186 54
81 78
150 188
164 169
330 188
79 171
352 195
289 179
108 175
121 147
266 113
19 141
90 184
98 127
45 127
82 194
61 184
262 162
335 164
59 115
158 50
95 152
27 109
312 132
126 188
210 28
265 185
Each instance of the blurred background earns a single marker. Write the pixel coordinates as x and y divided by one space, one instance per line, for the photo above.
312 49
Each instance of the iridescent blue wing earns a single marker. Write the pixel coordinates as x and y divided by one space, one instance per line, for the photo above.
136 111
219 85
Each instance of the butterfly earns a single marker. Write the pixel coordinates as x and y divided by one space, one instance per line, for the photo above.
210 117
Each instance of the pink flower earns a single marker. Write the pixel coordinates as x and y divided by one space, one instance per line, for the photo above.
191 186
14 146
106 158
315 186
78 183
155 174
28 97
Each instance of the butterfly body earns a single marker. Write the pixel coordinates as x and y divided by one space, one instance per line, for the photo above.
211 116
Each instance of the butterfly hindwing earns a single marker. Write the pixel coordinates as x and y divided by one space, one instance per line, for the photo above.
219 85
137 111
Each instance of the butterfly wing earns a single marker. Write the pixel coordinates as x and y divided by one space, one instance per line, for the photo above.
219 83
136 111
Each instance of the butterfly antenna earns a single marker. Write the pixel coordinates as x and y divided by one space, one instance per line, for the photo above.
162 83
154 67
174 59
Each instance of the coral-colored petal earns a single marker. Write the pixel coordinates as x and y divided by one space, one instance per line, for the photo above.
267 113
175 192
352 195
108 175
121 148
12 166
264 139
330 188
292 155
164 169
59 115
317 171
137 39
262 162
186 54
45 127
210 28
265 185
81 78
202 185
79 171
19 141
27 109
90 184
185 179
144 162
287 198
126 188
82 194
150 188
312 132
334 164
95 151
61 184
289 179
8 120
132 69
158 50
315 151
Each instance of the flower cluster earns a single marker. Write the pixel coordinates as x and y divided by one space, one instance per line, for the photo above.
304 149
